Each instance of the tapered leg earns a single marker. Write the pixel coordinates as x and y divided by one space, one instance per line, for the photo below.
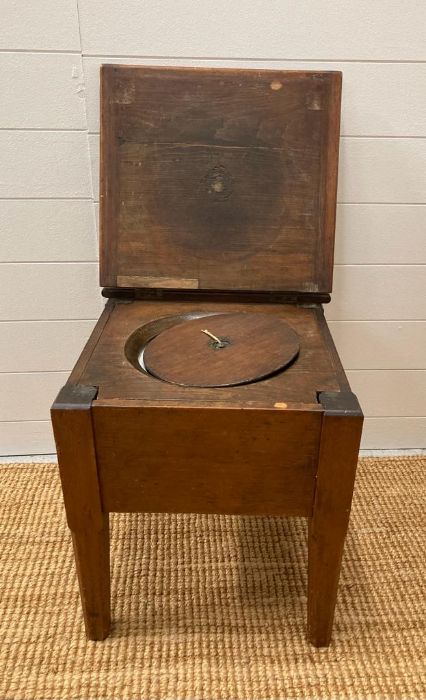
340 438
91 551
72 424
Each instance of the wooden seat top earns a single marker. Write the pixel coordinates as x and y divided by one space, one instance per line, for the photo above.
110 361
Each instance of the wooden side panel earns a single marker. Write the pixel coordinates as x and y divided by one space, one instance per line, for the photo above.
218 178
237 461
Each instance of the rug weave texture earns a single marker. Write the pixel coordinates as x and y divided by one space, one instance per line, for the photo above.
213 607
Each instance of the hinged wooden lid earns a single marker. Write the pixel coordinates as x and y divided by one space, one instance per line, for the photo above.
218 178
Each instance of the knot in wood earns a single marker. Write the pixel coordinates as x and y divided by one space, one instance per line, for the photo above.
219 183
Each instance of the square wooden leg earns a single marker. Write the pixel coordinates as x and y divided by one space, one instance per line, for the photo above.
91 551
340 438
72 424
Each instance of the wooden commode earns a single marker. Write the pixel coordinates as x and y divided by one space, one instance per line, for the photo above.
210 383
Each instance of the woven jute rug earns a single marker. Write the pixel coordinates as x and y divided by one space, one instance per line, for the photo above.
213 607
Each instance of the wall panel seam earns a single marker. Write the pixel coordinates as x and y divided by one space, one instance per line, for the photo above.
26 420
36 129
46 320
63 52
36 199
250 59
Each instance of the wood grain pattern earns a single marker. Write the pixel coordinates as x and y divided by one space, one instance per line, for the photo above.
365 170
221 350
340 438
270 447
379 98
223 176
219 182
166 282
206 460
87 519
91 344
316 369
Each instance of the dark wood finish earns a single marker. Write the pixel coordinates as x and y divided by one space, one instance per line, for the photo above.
219 295
218 193
87 520
218 178
221 350
340 438
207 460
313 371
91 344
72 424
91 553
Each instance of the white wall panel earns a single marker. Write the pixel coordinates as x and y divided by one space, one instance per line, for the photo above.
47 25
94 164
96 208
382 99
380 344
26 438
47 230
390 392
382 170
276 29
29 396
380 234
379 99
49 291
42 345
394 433
42 91
44 164
369 292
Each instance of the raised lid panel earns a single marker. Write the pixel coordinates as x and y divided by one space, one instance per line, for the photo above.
218 178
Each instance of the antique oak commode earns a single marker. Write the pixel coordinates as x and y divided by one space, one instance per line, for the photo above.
211 383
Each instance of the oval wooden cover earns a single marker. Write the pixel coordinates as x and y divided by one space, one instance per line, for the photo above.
252 347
